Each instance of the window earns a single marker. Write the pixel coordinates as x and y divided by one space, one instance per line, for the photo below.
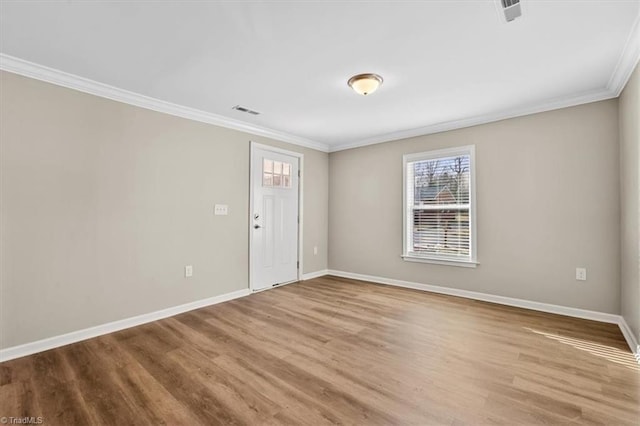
276 174
439 207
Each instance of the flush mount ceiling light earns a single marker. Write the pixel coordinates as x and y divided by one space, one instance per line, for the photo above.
365 84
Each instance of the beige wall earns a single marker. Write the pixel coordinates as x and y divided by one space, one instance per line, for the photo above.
630 193
102 205
548 202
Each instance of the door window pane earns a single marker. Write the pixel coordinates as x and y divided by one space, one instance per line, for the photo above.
276 174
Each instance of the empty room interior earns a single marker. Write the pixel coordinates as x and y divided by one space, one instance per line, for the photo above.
320 212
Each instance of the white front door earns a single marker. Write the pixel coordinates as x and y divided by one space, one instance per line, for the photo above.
274 220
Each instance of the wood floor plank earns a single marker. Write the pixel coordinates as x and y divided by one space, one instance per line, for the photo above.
336 351
295 405
176 379
59 397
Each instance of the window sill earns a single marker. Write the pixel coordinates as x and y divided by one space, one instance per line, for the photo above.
441 261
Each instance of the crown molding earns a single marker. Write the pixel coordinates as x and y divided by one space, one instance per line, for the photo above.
627 62
40 72
569 101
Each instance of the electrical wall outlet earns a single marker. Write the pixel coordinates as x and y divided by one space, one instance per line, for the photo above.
221 210
188 271
581 274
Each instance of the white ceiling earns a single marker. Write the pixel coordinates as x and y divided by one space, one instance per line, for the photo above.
445 63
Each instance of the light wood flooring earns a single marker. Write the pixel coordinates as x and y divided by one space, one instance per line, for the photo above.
336 351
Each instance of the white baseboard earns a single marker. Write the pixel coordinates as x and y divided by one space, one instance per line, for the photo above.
520 303
88 333
509 301
630 338
316 274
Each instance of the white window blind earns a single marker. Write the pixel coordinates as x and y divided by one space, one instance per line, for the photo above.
439 205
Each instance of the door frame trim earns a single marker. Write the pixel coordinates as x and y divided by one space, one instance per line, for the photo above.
300 157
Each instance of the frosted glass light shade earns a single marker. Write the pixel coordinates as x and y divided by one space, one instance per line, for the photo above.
365 84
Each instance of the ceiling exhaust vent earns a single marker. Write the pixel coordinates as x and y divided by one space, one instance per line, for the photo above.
511 9
247 110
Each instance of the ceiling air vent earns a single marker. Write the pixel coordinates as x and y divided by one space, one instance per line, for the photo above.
247 110
511 9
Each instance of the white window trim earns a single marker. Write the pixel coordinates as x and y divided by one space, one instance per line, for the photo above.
472 262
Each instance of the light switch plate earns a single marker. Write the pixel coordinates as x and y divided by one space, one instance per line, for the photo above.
188 271
221 210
